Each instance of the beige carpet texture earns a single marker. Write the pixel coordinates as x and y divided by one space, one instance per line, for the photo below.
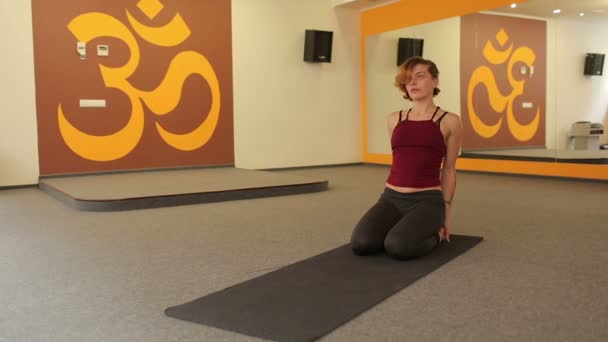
539 275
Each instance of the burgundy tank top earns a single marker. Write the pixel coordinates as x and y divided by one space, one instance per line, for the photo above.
418 150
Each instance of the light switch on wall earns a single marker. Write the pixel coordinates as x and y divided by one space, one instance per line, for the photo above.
103 50
81 48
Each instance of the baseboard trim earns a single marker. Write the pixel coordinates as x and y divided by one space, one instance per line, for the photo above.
14 187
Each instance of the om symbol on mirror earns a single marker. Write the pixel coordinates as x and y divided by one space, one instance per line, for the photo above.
483 75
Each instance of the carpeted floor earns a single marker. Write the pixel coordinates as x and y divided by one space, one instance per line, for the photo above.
67 275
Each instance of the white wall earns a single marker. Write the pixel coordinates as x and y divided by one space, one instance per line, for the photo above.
441 45
579 97
287 112
18 133
552 77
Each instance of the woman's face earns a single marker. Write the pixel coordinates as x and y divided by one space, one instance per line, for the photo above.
422 83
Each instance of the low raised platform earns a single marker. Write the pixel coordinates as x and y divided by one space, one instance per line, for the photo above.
154 189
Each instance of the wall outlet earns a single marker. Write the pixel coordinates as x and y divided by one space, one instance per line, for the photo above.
92 103
103 50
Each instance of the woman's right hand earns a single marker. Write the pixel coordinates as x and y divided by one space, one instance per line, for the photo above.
444 234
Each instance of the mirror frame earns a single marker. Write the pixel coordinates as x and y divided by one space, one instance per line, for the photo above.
394 16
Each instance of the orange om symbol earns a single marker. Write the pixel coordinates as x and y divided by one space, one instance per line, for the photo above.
499 102
161 101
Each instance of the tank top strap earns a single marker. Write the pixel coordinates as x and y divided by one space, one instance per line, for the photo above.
441 118
407 114
436 110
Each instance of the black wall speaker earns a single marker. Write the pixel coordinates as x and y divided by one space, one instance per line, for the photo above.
317 46
594 64
409 47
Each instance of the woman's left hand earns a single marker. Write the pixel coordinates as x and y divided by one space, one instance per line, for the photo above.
444 232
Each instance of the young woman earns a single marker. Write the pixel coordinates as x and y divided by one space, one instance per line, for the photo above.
413 214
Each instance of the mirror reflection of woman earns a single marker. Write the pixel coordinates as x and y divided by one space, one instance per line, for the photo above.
413 214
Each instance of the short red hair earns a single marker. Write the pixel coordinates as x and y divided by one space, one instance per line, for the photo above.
405 73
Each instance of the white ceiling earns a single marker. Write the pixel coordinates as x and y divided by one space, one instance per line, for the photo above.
593 9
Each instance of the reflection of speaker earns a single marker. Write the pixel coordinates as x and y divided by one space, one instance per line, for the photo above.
594 64
317 46
409 47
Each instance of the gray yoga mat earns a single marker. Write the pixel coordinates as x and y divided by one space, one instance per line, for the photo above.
308 299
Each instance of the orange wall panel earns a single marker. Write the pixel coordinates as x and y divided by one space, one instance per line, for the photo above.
167 82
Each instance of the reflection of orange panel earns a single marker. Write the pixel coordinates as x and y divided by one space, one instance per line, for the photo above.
584 171
414 12
385 159
492 89
599 172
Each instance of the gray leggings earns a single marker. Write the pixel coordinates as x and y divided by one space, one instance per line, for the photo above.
404 225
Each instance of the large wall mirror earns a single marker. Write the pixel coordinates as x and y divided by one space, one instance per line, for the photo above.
528 81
